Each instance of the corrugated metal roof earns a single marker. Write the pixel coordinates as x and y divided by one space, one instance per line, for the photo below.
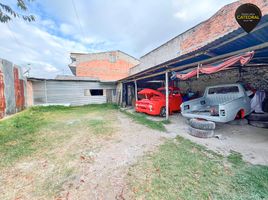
75 78
70 78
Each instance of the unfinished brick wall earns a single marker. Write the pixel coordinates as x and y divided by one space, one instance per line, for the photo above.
257 77
104 69
105 66
218 25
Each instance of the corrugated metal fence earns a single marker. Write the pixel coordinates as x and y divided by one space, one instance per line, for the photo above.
12 88
72 92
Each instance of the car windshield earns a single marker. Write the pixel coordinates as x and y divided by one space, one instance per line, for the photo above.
223 90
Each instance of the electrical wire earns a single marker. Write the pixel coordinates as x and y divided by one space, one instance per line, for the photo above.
78 19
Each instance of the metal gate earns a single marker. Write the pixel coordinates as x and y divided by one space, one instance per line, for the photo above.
2 96
19 91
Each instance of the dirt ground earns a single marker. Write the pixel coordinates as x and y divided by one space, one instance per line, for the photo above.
251 142
96 169
104 179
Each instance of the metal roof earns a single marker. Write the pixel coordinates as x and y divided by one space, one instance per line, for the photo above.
230 44
70 78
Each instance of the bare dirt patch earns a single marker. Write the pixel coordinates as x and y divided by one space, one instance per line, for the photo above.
250 141
105 177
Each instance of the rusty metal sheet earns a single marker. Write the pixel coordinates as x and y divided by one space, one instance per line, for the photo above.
19 90
2 96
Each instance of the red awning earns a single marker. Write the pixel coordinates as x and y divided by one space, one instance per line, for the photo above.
213 68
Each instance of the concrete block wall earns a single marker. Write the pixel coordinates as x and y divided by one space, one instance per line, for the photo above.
11 96
257 77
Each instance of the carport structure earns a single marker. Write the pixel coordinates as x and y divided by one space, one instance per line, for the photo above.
232 43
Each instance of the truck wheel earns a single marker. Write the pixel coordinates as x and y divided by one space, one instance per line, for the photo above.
200 133
241 122
163 112
259 124
258 117
202 124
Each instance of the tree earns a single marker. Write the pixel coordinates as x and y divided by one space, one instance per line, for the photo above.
7 12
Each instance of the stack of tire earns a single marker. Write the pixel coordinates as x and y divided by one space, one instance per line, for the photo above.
201 128
258 119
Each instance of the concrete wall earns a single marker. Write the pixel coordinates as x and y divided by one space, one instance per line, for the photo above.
257 77
70 92
167 51
11 95
221 23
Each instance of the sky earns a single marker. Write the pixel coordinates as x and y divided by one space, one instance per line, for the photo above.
63 26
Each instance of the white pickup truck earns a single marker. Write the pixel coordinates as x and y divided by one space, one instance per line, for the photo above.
222 103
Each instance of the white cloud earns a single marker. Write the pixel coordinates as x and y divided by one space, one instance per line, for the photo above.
50 68
24 43
67 29
181 15
135 27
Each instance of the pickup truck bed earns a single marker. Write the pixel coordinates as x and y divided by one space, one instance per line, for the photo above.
220 104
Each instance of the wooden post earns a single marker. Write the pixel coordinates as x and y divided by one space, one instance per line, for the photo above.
121 95
167 95
136 90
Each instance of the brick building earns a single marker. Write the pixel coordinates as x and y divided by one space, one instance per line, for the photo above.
105 66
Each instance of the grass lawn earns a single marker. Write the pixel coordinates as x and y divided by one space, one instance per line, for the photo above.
32 130
50 141
141 118
181 169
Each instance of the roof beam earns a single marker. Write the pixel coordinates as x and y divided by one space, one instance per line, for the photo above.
206 61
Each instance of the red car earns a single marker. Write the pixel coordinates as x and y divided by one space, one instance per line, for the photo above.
154 102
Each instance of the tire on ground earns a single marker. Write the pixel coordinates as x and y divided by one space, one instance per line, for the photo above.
200 133
259 124
258 117
241 122
202 124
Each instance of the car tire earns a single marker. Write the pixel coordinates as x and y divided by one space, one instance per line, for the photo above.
240 122
202 124
163 112
258 117
200 133
259 124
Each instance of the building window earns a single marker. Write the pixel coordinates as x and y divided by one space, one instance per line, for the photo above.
93 92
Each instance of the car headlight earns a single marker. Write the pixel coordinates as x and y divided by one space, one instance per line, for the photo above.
151 107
